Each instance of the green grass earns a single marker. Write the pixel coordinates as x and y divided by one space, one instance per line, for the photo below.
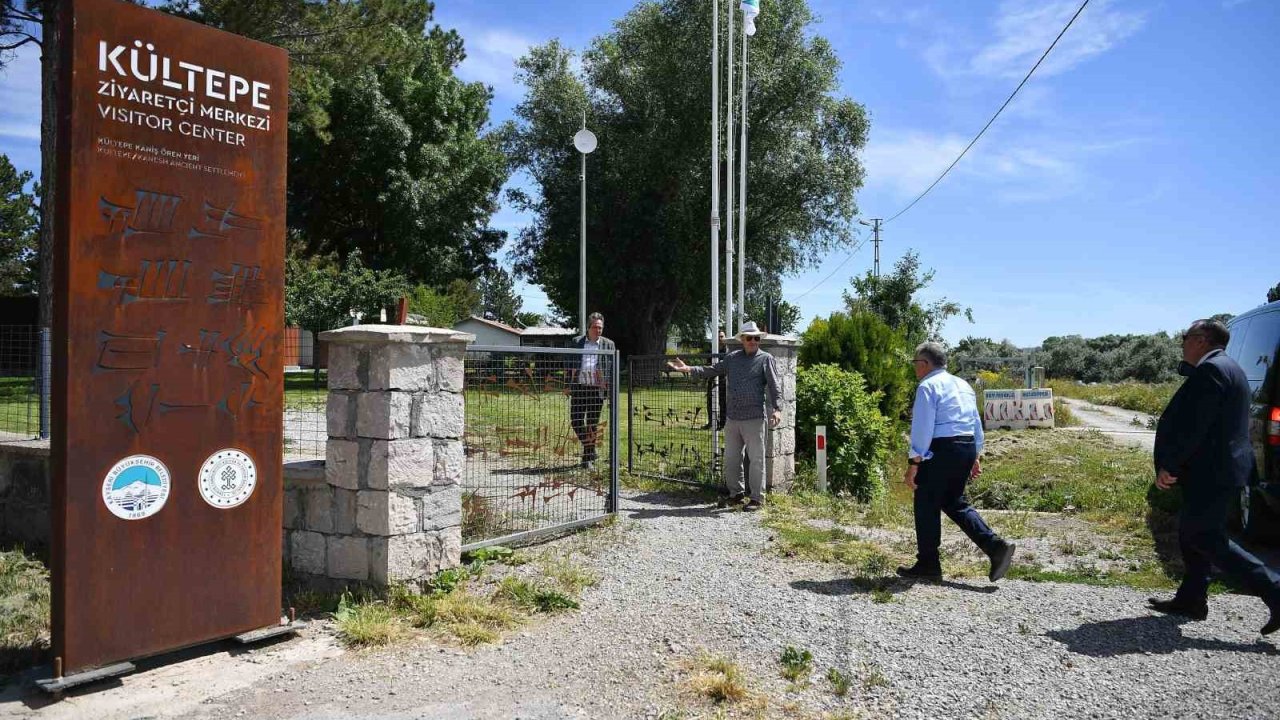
24 610
19 406
1024 472
1033 470
796 663
1139 397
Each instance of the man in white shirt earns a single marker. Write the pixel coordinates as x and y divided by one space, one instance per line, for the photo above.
588 386
946 440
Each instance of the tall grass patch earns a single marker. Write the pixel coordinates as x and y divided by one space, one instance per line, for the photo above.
1139 397
24 610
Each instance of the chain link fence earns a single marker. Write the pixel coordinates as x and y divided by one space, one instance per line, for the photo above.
541 441
25 364
306 397
674 424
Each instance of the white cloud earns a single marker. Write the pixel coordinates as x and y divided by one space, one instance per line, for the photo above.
20 95
1024 28
491 58
906 162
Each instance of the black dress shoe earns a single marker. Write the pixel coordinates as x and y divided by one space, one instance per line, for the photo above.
1274 623
1195 611
752 506
727 500
1001 558
921 573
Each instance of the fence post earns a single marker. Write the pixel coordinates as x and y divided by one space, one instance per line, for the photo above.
820 442
613 426
631 388
46 380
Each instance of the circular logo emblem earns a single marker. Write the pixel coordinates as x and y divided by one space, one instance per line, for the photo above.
136 487
227 478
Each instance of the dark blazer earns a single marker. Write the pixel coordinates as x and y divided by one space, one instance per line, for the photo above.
605 362
1203 434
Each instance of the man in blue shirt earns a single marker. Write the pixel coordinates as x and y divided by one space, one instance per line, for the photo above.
946 439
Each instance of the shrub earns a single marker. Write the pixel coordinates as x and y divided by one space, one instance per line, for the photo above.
858 435
864 344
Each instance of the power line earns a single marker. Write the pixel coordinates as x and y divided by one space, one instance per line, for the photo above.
993 117
962 152
852 252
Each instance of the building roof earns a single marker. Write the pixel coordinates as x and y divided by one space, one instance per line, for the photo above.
549 332
492 323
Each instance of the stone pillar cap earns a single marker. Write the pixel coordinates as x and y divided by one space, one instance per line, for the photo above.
386 334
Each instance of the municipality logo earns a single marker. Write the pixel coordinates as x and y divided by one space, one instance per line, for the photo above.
136 487
228 478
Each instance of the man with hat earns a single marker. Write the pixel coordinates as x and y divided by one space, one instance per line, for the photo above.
750 372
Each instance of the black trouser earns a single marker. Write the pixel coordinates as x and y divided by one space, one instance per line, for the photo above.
585 403
940 488
1202 537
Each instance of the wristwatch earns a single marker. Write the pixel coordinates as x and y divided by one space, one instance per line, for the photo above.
914 461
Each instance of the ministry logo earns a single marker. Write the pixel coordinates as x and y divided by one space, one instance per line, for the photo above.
227 478
136 487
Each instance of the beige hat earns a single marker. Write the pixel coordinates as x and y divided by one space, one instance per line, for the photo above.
749 329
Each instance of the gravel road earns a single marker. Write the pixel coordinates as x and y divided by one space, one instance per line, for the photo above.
1126 427
685 578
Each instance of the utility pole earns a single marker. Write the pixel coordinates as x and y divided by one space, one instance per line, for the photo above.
875 230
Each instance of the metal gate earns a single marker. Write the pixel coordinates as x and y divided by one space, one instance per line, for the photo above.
541 442
674 421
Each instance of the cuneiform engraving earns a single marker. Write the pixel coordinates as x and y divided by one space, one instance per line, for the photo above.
151 214
201 353
135 409
218 223
241 285
125 353
155 281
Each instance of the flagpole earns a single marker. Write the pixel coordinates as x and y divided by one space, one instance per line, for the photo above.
742 195
729 219
715 176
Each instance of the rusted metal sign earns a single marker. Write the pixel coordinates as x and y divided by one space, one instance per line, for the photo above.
168 387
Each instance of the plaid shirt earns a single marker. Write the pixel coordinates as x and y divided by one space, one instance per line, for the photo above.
749 377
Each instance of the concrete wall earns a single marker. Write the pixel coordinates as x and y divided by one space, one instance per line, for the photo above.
25 498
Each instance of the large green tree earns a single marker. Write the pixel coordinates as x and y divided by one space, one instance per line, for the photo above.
645 88
19 232
387 148
1274 293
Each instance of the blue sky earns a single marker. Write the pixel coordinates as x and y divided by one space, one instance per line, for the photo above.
1129 188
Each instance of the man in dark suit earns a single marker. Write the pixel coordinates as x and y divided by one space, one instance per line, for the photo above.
1202 445
588 386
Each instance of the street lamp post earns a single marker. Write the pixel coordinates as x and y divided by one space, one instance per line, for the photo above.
585 142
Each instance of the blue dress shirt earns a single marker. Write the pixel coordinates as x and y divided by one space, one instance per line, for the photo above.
945 407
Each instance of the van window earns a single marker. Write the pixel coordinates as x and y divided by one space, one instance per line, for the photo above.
1258 350
1238 328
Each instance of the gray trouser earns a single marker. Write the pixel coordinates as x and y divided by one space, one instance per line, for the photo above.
746 435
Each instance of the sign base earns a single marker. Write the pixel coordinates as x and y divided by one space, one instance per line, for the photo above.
54 686
284 628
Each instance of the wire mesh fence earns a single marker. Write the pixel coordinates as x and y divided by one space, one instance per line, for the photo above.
24 367
306 397
674 421
541 441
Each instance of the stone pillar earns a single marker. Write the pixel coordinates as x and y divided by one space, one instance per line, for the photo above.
780 442
390 506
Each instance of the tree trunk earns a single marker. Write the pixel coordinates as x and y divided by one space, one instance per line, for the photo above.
51 42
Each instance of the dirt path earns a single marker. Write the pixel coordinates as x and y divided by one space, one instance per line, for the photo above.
1126 427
